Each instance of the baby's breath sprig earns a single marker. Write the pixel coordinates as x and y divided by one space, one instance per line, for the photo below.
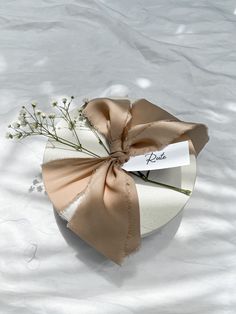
65 114
36 122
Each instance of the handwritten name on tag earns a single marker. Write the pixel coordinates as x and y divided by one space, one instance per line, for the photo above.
173 155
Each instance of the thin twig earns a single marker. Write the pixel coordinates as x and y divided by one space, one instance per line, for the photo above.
141 176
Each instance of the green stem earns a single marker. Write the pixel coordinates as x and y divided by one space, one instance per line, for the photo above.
68 119
143 177
53 126
62 141
75 146
96 134
74 130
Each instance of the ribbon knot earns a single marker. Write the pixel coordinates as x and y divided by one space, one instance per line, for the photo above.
108 215
116 152
120 157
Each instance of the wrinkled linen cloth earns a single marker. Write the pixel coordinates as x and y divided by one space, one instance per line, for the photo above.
177 54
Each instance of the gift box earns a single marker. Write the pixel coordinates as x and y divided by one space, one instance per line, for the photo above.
107 206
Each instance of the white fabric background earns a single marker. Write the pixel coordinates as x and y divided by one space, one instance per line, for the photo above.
178 54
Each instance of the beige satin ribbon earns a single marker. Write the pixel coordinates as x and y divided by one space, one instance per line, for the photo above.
108 216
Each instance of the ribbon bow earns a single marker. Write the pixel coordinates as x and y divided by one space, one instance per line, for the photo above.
107 217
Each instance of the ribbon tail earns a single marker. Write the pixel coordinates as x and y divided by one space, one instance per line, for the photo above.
65 179
108 216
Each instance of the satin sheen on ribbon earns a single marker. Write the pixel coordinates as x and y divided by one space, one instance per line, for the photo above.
108 216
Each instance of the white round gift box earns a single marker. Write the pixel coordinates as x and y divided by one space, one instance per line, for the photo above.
158 205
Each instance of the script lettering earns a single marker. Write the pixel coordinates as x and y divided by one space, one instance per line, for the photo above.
154 157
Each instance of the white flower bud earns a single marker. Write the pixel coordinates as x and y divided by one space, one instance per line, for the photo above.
15 124
34 125
18 135
22 112
51 115
43 115
22 120
9 135
38 112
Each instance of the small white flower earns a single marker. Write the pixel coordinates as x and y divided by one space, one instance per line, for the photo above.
21 117
34 104
9 135
38 112
64 100
54 104
22 120
51 115
81 117
22 112
43 115
18 135
15 124
34 125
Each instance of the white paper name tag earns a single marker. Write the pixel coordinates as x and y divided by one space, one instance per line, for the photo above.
173 155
